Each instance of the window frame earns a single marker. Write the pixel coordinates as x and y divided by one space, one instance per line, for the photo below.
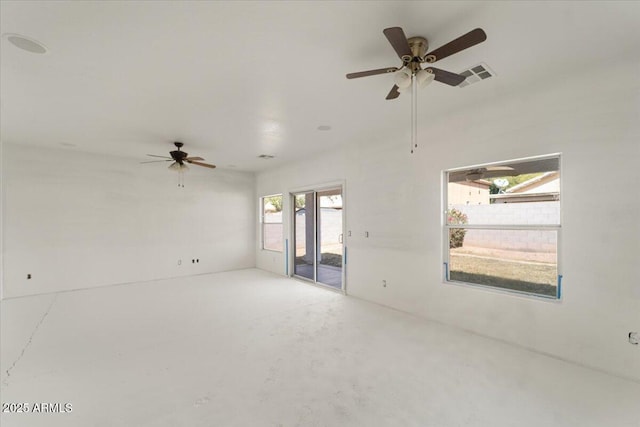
446 227
262 222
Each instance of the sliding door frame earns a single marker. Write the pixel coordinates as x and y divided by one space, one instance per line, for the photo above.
292 230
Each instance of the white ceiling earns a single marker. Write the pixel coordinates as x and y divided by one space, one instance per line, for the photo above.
237 79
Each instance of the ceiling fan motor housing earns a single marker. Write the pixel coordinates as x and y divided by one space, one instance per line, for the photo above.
178 155
418 46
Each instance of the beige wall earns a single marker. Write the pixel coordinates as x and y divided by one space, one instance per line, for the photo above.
467 193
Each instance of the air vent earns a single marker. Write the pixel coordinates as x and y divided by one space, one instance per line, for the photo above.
265 156
475 74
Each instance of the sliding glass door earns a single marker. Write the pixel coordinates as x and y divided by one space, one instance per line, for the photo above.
304 235
329 235
318 236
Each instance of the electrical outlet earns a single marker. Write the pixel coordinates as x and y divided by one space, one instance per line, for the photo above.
634 338
179 262
384 283
28 276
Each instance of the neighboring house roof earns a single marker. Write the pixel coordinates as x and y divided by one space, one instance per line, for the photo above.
545 187
551 179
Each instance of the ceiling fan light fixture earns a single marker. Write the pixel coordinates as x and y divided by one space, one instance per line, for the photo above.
402 78
424 78
175 166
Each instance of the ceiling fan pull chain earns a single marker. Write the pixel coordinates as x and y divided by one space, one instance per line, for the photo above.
414 114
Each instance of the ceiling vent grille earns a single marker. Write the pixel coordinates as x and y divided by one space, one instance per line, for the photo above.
475 74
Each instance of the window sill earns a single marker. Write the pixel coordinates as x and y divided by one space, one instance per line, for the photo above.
504 291
272 250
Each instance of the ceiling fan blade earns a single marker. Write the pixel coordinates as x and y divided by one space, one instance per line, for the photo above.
399 42
472 38
446 77
158 161
499 168
193 158
457 176
488 172
371 72
164 157
498 174
206 165
393 93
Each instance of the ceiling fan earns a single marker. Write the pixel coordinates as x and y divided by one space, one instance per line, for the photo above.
481 173
179 157
413 52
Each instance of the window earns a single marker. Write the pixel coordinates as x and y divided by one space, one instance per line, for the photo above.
502 226
271 219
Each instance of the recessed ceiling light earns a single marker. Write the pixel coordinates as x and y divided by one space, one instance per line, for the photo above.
266 156
271 127
26 43
324 127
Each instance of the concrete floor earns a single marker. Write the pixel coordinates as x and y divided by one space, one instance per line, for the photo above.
248 348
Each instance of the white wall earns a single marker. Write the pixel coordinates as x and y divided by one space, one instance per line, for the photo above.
593 122
75 220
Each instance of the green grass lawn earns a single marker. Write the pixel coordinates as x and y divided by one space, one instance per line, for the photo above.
334 260
536 278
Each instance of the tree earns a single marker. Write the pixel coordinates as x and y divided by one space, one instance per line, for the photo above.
276 202
513 181
456 235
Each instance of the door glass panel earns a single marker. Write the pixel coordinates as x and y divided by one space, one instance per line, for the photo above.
304 235
329 238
